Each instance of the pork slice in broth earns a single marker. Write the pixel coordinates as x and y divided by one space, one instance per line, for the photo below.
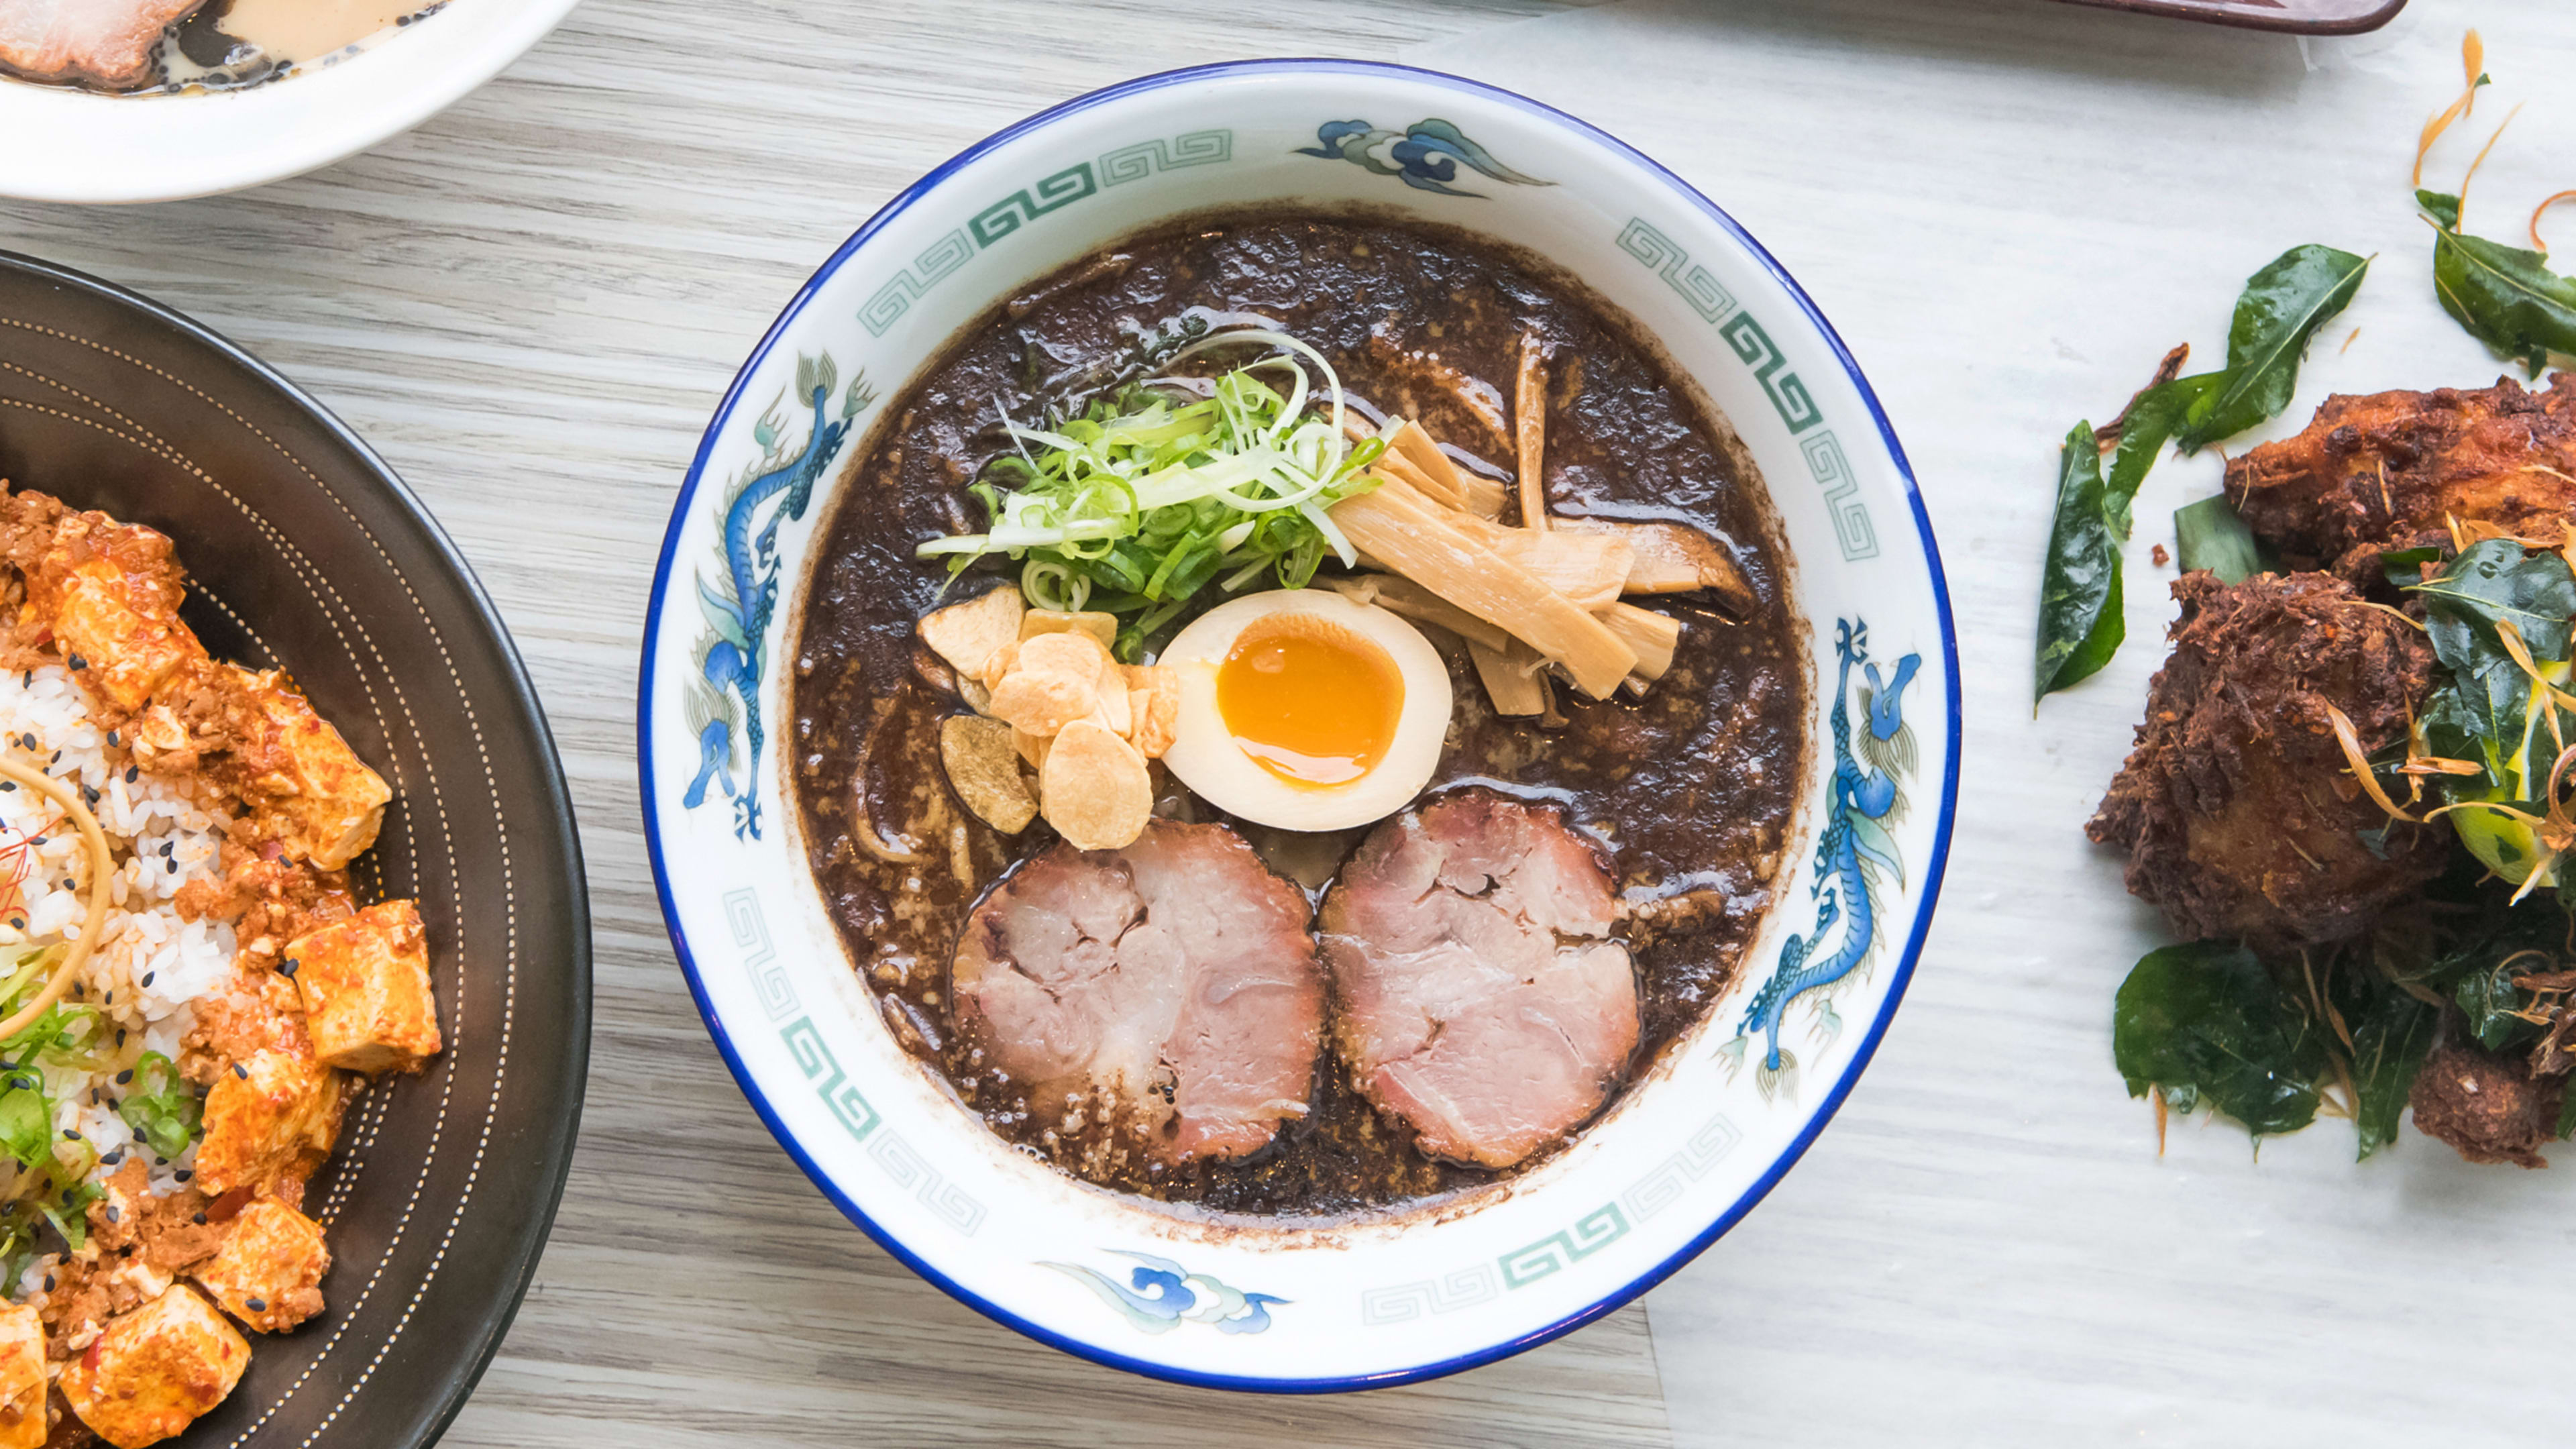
104 42
1481 1001
1166 994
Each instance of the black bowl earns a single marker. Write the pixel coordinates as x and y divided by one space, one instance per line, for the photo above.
305 551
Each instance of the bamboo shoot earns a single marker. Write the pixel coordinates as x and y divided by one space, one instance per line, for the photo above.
1672 558
1511 676
1399 595
1651 635
1529 427
1590 570
1480 496
1421 541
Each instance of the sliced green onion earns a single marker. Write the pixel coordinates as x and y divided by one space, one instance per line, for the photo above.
1141 502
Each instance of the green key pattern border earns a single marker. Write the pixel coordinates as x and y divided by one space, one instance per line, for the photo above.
1029 204
1752 346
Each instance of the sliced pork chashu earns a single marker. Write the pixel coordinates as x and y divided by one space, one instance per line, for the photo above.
1164 997
104 43
1481 1001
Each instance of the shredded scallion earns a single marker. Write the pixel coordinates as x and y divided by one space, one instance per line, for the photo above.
1145 500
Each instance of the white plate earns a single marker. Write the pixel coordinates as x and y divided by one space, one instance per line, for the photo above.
1689 1150
82 147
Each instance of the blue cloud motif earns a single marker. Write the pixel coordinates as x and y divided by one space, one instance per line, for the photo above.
1160 1295
1426 155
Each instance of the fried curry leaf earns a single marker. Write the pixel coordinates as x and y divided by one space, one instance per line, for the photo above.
2080 624
2489 1000
2484 712
2404 567
2211 535
2150 425
2205 1023
2505 296
2389 1041
2278 314
2495 582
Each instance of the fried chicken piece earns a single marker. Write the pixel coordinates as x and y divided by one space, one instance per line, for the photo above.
2386 471
2489 1107
2237 808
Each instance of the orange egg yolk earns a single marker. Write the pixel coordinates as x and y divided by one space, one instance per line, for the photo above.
1314 702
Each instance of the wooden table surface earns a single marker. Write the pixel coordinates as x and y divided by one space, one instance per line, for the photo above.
530 306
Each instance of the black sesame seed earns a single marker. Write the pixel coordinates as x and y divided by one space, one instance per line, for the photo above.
257 1306
115 1214
8 784
120 1036
35 840
172 866
166 847
113 1158
110 998
92 792
241 1071
71 1134
200 1220
287 968
183 1174
148 975
111 739
78 662
125 1076
49 1282
132 771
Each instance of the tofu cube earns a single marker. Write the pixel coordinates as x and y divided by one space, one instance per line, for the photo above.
303 783
123 631
365 983
155 1370
269 1121
22 1377
269 1271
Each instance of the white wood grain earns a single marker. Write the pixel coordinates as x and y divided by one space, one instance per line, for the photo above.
530 306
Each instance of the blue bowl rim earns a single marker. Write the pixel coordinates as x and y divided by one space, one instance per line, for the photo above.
1779 1168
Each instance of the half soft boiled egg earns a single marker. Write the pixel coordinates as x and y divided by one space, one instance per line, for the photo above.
1303 710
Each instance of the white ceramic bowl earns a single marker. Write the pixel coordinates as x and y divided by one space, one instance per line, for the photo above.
95 148
1689 1150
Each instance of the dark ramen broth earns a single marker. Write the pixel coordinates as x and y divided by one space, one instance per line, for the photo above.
1690 789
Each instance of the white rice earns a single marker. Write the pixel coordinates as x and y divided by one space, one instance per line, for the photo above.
150 966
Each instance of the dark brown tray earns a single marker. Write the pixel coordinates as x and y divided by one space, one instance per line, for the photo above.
2302 17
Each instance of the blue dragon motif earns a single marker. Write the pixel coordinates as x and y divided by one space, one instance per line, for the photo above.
1164 1295
1426 154
741 602
1852 853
